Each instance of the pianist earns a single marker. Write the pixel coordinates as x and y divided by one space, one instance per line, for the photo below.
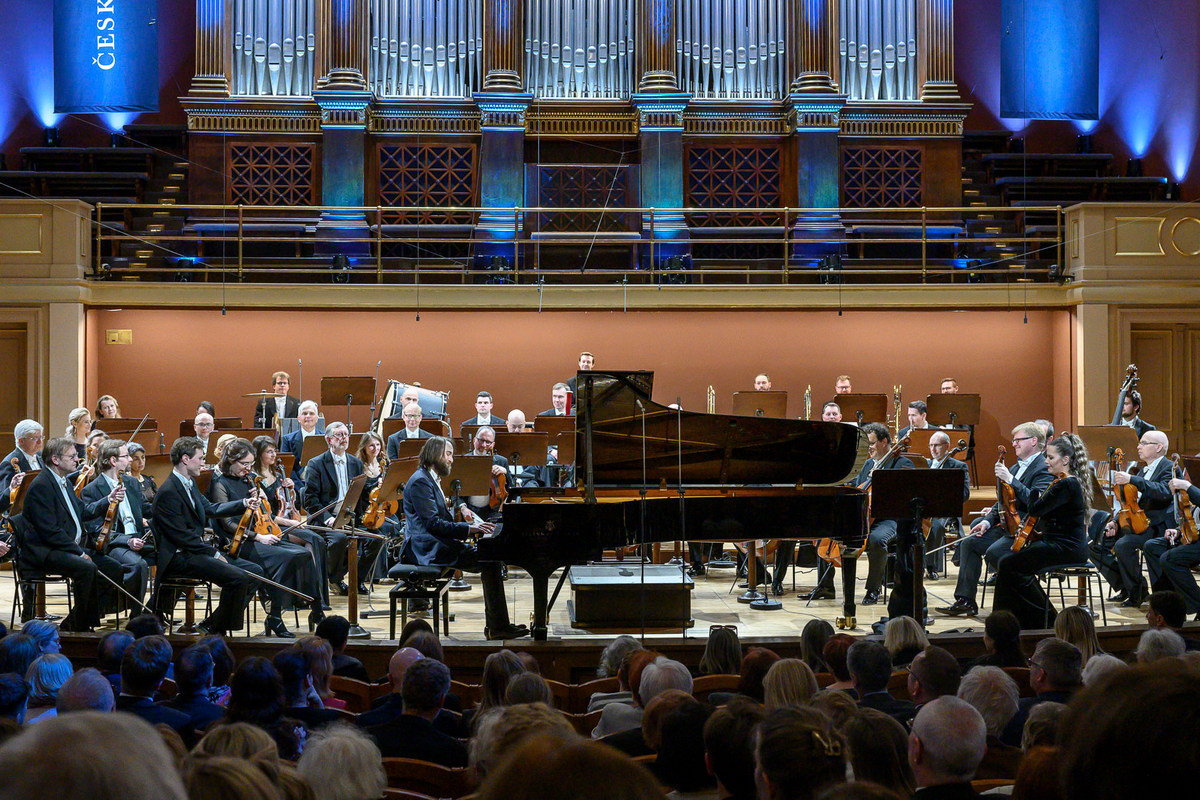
435 539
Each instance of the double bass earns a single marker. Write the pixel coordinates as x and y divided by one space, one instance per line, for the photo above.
1128 385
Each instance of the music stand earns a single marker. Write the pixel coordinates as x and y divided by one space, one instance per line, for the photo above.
1191 466
554 425
760 404
525 449
863 407
345 521
125 425
303 454
158 467
1100 439
286 461
918 440
436 427
952 409
348 392
915 494
473 475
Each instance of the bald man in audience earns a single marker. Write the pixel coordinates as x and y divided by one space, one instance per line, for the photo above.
390 706
947 743
1155 497
86 690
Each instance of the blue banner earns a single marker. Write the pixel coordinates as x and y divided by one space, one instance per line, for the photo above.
1050 59
105 56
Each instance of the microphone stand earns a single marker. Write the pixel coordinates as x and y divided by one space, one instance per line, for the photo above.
642 523
676 559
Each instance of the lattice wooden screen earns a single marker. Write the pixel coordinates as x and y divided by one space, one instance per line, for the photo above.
733 178
272 174
881 177
583 186
427 175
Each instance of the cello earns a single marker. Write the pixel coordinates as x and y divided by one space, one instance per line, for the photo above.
1131 518
830 550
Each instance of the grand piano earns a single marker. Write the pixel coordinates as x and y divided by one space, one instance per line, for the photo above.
650 473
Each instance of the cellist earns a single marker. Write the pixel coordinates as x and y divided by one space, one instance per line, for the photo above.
1174 555
1154 497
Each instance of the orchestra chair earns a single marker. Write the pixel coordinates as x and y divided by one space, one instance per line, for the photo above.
1089 585
357 694
584 724
705 685
30 584
1021 676
581 693
418 582
427 778
177 585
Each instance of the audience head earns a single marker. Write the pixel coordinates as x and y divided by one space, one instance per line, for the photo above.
225 778
834 652
498 670
1099 667
1159 643
614 653
812 643
859 790
86 765
1167 610
632 668
426 684
903 638
399 663
870 666
797 755
45 677
17 652
145 665
319 654
256 692
223 661
754 668
194 671
292 666
86 690
341 762
680 747
722 652
14 694
993 693
933 673
334 629
45 634
238 740
502 730
528 687
947 742
789 683
529 662
661 675
1042 724
575 770
836 704
1055 666
1074 624
111 649
878 746
144 625
729 746
1002 634
427 644
412 626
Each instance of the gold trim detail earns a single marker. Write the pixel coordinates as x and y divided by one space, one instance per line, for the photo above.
1133 226
1175 236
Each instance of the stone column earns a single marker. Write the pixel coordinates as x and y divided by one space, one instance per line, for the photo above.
212 50
812 56
938 30
656 46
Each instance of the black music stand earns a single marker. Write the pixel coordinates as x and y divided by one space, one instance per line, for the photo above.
306 451
1191 465
522 449
952 409
347 391
760 404
345 521
470 476
1101 439
410 449
914 494
863 408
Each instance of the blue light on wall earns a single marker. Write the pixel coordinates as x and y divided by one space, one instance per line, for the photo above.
1050 59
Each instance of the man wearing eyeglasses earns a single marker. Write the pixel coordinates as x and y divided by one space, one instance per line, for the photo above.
29 435
1155 498
989 538
1055 674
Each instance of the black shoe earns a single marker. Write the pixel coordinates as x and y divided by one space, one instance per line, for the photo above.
696 570
510 632
504 572
1118 596
1133 602
362 588
343 588
932 575
275 627
960 608
326 607
206 628
777 589
870 598
314 618
418 606
820 593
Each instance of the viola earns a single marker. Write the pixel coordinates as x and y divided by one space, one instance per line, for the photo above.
1184 507
1007 498
264 520
1131 517
1026 533
499 491
15 490
109 517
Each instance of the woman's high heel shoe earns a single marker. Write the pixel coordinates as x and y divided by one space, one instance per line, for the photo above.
275 627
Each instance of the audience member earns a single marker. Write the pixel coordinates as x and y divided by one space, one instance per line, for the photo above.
45 634
1168 610
834 652
335 629
933 673
109 653
662 676
412 735
870 666
223 666
797 755
1041 727
1055 673
789 683
878 747
498 670
528 687
947 743
1159 643
256 697
193 679
578 770
391 705
89 755
144 625
1037 778
729 747
17 652
1074 624
239 740
224 778
427 644
342 763
994 694
14 693
617 717
414 625
143 669
1002 640
722 652
86 690
904 638
502 730
754 667
300 697
319 654
836 704
859 790
626 647
293 786
529 662
45 677
614 653
679 762
1099 666
812 644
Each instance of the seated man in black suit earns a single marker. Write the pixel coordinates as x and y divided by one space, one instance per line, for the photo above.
181 513
412 734
1155 498
23 459
483 412
194 677
143 669
558 400
435 539
870 667
939 452
127 541
52 535
485 445
309 418
1131 411
917 418
281 406
411 430
1055 674
326 480
587 361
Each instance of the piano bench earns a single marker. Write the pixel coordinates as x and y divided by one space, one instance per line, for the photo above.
416 582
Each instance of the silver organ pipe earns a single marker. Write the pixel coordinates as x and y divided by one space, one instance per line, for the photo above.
878 49
579 48
426 48
273 45
734 49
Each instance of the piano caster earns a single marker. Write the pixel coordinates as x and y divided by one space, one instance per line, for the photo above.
459 585
846 623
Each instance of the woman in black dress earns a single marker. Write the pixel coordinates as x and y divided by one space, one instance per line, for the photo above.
1062 512
137 463
281 561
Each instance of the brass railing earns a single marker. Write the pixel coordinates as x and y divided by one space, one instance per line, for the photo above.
387 245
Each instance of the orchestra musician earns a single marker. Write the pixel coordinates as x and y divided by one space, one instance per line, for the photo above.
79 425
516 421
435 539
1155 498
145 483
51 535
831 412
558 399
484 444
917 418
91 450
587 361
281 561
309 417
204 426
988 538
411 430
939 452
762 382
483 412
326 480
128 543
273 486
107 407
179 517
1062 512
1175 559
206 407
29 436
949 386
1131 411
841 385
370 453
281 406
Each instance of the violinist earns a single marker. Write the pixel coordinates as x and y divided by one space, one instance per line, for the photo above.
1155 498
145 483
939 458
281 561
989 537
1175 557
411 430
79 425
281 406
128 540
280 492
29 436
1062 512
370 453
485 445
107 407
87 467
483 412
1131 411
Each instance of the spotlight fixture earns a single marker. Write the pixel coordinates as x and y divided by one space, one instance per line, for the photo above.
1016 144
50 137
116 139
1085 143
340 266
500 271
830 266
673 270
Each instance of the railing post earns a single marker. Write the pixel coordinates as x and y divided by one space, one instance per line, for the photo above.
240 239
516 216
98 259
924 241
1061 250
653 262
786 253
378 244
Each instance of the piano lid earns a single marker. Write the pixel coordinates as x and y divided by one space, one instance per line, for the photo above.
612 408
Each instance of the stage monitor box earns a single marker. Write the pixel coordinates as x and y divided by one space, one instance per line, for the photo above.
612 597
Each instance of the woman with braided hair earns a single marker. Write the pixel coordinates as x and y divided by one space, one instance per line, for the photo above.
1061 534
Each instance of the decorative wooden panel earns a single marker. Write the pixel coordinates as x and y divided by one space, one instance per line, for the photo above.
733 178
272 174
441 175
583 186
881 177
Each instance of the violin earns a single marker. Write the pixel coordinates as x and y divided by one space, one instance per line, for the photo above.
1026 533
247 525
109 517
14 490
499 491
85 476
1006 497
287 497
1184 507
264 520
1131 517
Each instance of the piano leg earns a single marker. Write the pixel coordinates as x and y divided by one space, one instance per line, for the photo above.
847 621
538 627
